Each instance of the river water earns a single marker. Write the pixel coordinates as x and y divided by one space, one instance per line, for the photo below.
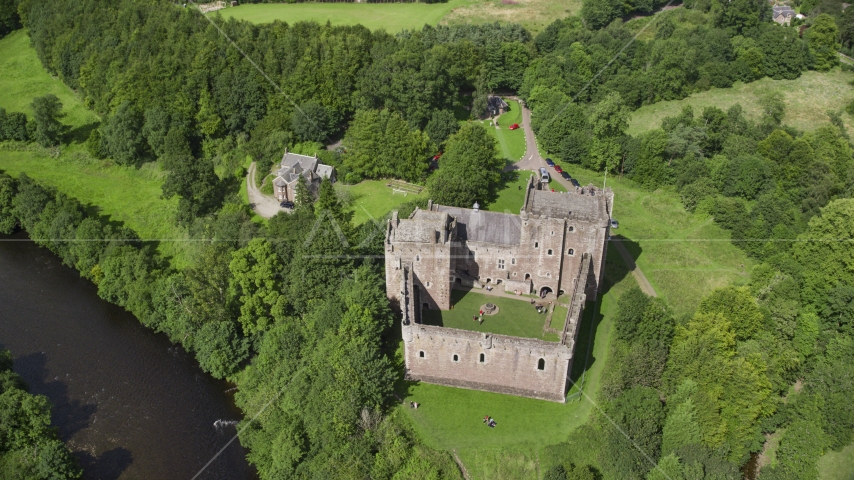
128 403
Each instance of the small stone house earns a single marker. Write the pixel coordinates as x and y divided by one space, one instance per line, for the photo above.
495 106
295 167
783 14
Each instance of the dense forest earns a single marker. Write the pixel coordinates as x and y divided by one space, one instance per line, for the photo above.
29 447
291 309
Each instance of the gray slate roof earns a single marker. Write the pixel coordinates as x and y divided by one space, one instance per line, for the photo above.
486 227
785 10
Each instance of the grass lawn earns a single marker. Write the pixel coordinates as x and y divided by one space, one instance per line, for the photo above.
510 142
450 418
372 199
837 465
123 194
535 15
807 99
684 255
392 17
515 317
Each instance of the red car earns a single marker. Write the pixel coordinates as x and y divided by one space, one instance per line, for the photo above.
514 126
558 169
438 156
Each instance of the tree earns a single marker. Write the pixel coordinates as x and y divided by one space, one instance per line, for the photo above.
219 348
609 121
257 280
380 144
441 126
123 136
738 307
469 171
47 111
742 15
311 122
9 19
822 38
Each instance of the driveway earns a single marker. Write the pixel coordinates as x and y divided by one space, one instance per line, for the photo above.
263 205
532 160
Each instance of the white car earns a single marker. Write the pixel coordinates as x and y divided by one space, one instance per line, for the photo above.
615 224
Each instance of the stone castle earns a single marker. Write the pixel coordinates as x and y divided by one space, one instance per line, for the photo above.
554 246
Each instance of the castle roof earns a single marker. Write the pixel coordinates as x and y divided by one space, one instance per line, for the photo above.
486 227
587 203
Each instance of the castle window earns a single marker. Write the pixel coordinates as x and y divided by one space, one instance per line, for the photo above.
514 274
456 358
571 228
536 244
421 354
550 252
527 276
553 233
482 358
541 365
513 261
570 251
418 258
501 264
549 274
428 284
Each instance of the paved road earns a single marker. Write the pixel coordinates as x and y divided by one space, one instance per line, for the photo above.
263 205
532 160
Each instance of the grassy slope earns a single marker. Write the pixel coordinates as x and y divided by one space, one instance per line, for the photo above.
450 418
837 465
807 99
685 256
394 17
516 316
125 194
511 143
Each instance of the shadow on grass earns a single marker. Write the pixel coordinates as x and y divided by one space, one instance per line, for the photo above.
80 133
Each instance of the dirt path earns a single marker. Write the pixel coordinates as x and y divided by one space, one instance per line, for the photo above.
532 160
263 205
643 283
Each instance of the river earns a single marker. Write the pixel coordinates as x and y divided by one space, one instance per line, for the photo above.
128 403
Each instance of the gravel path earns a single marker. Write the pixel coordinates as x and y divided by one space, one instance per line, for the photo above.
263 205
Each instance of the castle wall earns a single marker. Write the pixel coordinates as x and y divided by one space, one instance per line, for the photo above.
510 364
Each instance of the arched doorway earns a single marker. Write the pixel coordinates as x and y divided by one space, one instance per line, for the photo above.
545 291
527 276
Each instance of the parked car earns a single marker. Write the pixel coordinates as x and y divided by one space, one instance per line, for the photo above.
549 162
287 204
558 169
437 156
615 224
575 183
514 126
566 176
544 175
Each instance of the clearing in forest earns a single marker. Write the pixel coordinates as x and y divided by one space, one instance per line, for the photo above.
807 99
535 15
125 194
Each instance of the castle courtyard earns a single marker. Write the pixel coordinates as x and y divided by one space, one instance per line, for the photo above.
516 316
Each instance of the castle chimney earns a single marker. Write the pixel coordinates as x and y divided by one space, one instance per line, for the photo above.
476 207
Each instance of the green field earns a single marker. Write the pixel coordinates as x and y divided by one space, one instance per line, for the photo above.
684 255
393 17
516 316
511 143
123 194
372 199
450 418
807 99
535 15
837 465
